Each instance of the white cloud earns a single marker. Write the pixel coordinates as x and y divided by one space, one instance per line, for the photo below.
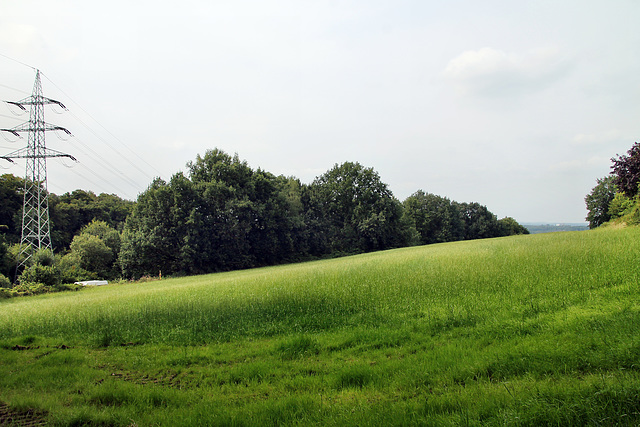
491 72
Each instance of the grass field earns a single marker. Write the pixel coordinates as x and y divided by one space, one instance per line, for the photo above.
526 330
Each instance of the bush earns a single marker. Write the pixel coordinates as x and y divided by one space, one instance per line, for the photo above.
44 257
47 275
6 293
4 282
29 288
620 205
71 272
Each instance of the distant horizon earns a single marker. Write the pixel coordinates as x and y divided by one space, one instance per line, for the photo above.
557 223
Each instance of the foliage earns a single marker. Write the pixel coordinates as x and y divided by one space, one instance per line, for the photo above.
436 218
599 200
92 254
16 257
626 171
223 216
356 210
68 212
44 257
4 281
619 206
511 227
11 199
42 269
25 288
42 274
479 222
71 212
5 262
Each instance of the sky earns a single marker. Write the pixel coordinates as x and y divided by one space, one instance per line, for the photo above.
518 106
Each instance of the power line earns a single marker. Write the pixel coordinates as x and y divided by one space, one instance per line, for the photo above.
108 131
19 62
13 88
114 149
112 169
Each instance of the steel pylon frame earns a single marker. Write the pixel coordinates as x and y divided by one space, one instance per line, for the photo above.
36 230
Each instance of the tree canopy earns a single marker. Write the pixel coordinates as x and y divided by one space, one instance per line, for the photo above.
599 199
626 171
221 214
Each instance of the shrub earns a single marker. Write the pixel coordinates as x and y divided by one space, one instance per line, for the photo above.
620 205
47 275
71 272
4 282
44 257
30 288
6 293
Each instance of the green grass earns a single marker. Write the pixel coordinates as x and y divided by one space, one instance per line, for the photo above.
525 330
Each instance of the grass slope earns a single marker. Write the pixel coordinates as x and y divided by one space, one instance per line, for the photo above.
525 330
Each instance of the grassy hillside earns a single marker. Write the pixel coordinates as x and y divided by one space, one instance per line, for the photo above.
526 330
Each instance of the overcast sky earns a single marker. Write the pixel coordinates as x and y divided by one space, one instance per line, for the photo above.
517 105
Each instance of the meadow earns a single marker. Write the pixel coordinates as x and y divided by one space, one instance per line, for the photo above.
522 330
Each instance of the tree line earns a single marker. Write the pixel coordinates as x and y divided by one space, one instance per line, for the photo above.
223 215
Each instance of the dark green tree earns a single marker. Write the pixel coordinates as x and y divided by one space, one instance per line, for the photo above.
510 227
599 200
222 216
92 254
72 211
95 250
11 199
436 218
4 258
479 222
356 210
149 241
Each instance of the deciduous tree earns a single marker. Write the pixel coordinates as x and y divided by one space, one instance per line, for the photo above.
626 170
599 199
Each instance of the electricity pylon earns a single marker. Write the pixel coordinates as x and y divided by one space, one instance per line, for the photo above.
36 232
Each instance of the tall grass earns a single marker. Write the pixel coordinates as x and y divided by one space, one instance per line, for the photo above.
525 330
498 283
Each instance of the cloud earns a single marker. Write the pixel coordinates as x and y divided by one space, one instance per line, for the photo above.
490 72
600 138
579 165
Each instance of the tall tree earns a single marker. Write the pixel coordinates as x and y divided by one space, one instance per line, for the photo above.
223 216
72 211
436 218
479 222
511 227
599 199
11 198
357 210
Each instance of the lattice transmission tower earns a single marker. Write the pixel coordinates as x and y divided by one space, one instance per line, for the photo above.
36 233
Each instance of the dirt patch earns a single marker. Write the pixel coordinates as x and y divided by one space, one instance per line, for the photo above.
19 347
22 418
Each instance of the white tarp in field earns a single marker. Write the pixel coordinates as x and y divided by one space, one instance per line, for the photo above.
93 283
